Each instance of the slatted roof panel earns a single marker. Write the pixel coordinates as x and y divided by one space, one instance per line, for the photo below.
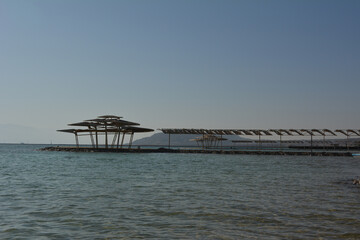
286 131
267 132
307 131
98 120
110 116
115 122
342 132
247 132
83 124
352 132
238 132
296 131
318 131
218 132
120 123
138 129
277 132
67 130
329 131
106 123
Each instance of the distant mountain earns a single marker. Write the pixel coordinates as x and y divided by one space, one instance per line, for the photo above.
162 139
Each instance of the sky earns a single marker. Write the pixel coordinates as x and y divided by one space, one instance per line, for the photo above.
180 64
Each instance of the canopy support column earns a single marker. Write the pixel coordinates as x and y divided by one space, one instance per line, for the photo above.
91 137
131 139
259 141
114 140
106 136
118 139
122 140
77 140
221 147
96 137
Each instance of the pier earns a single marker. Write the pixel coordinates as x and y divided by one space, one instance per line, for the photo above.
209 140
195 151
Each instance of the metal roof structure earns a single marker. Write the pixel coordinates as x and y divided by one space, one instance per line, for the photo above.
105 125
266 132
208 140
263 132
110 116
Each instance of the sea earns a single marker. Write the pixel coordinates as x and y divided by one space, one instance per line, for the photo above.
69 195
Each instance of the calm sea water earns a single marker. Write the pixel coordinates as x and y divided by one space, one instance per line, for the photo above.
60 195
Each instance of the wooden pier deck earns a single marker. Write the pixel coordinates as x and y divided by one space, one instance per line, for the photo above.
197 151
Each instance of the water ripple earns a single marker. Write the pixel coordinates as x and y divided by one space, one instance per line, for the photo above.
56 195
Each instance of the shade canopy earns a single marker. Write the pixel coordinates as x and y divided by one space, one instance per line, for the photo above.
263 132
105 125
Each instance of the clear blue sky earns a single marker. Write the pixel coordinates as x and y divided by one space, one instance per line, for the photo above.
190 63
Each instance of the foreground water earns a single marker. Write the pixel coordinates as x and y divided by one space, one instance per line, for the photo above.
62 195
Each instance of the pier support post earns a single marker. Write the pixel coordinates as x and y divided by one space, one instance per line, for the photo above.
203 141
96 137
169 141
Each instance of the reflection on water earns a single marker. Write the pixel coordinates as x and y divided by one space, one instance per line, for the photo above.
57 195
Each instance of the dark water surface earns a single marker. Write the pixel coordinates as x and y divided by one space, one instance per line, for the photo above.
62 195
